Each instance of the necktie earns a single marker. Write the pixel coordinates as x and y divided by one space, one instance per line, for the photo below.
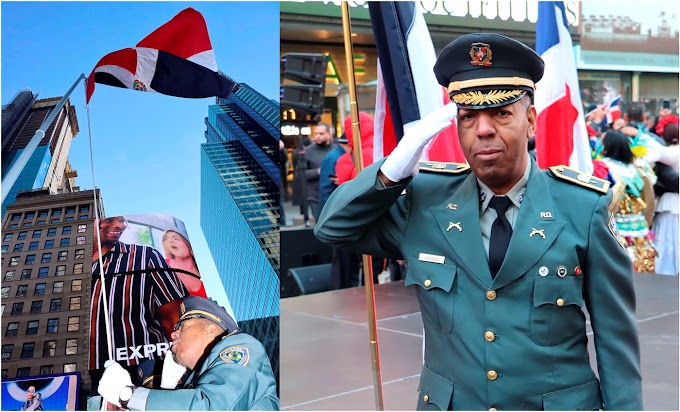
501 232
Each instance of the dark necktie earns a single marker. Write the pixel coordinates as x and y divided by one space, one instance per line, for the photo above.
501 232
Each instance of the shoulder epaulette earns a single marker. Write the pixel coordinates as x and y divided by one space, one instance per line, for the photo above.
580 178
443 167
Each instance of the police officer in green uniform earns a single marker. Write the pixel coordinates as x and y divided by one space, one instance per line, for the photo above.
504 257
228 370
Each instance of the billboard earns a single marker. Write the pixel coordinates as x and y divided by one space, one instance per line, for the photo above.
149 267
57 392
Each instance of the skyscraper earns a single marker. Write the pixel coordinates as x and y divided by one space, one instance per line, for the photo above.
240 209
48 167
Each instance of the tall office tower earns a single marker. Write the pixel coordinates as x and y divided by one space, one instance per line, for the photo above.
47 168
46 281
240 208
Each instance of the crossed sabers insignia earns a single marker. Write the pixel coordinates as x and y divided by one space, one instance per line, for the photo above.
456 225
537 232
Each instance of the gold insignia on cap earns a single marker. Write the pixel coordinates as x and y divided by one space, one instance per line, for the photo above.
477 98
182 308
480 53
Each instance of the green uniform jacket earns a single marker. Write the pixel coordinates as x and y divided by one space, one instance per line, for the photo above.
517 341
236 375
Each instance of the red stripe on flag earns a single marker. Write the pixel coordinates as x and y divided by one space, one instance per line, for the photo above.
125 58
183 36
554 132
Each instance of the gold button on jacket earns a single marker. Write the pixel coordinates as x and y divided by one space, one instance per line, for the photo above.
426 398
491 295
427 283
492 375
560 302
489 336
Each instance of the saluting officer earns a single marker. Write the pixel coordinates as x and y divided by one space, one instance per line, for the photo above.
228 370
504 256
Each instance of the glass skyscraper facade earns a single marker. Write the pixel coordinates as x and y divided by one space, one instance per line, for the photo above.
240 209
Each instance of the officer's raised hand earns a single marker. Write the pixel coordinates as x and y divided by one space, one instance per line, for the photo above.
114 379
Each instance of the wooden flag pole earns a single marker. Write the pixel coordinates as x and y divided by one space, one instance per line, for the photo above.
359 165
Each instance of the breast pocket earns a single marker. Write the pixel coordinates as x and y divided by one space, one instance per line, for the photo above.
556 314
436 294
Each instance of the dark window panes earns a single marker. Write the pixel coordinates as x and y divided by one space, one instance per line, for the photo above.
17 308
13 226
68 219
9 275
58 287
29 259
33 245
50 348
43 213
56 212
71 346
52 231
49 244
76 285
23 372
65 242
4 373
26 273
22 235
22 290
41 222
47 369
17 248
55 220
32 327
27 350
71 210
55 305
36 306
83 217
12 329
29 215
7 352
7 237
46 258
4 248
66 230
52 325
27 224
63 255
61 270
43 272
84 208
39 289
37 233
16 217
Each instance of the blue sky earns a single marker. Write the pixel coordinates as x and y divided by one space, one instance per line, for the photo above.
146 145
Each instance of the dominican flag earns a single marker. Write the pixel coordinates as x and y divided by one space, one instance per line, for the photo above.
561 136
613 111
176 59
407 88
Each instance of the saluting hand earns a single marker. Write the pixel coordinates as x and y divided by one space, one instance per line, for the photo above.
113 380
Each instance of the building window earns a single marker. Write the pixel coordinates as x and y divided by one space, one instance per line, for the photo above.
63 255
17 248
23 372
82 228
22 290
43 272
49 244
12 329
52 325
47 369
84 208
17 308
52 231
83 217
39 289
65 242
71 210
55 220
50 348
71 346
55 305
77 268
43 213
46 257
80 254
61 270
76 285
13 226
29 215
75 303
36 306
14 260
68 219
2 309
4 248
4 292
58 287
37 233
32 327
22 235
7 352
56 212
8 236
73 323
27 224
69 367
16 217
26 273
41 222
80 240
5 375
33 245
66 230
29 259
27 350
9 275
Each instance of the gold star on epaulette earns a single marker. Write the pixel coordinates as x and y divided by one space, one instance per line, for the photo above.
443 167
582 179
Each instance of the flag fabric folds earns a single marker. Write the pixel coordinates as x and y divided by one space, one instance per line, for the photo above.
407 89
176 59
613 111
561 136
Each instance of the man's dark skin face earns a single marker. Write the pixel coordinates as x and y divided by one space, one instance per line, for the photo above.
110 230
494 142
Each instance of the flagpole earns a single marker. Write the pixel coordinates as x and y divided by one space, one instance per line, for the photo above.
18 166
359 165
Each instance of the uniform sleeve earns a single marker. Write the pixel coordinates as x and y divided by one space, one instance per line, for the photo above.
365 217
224 386
610 299
166 285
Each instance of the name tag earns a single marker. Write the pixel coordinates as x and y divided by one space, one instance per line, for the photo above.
431 258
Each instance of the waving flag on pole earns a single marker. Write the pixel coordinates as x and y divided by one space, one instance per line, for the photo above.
176 59
613 111
561 136
407 88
